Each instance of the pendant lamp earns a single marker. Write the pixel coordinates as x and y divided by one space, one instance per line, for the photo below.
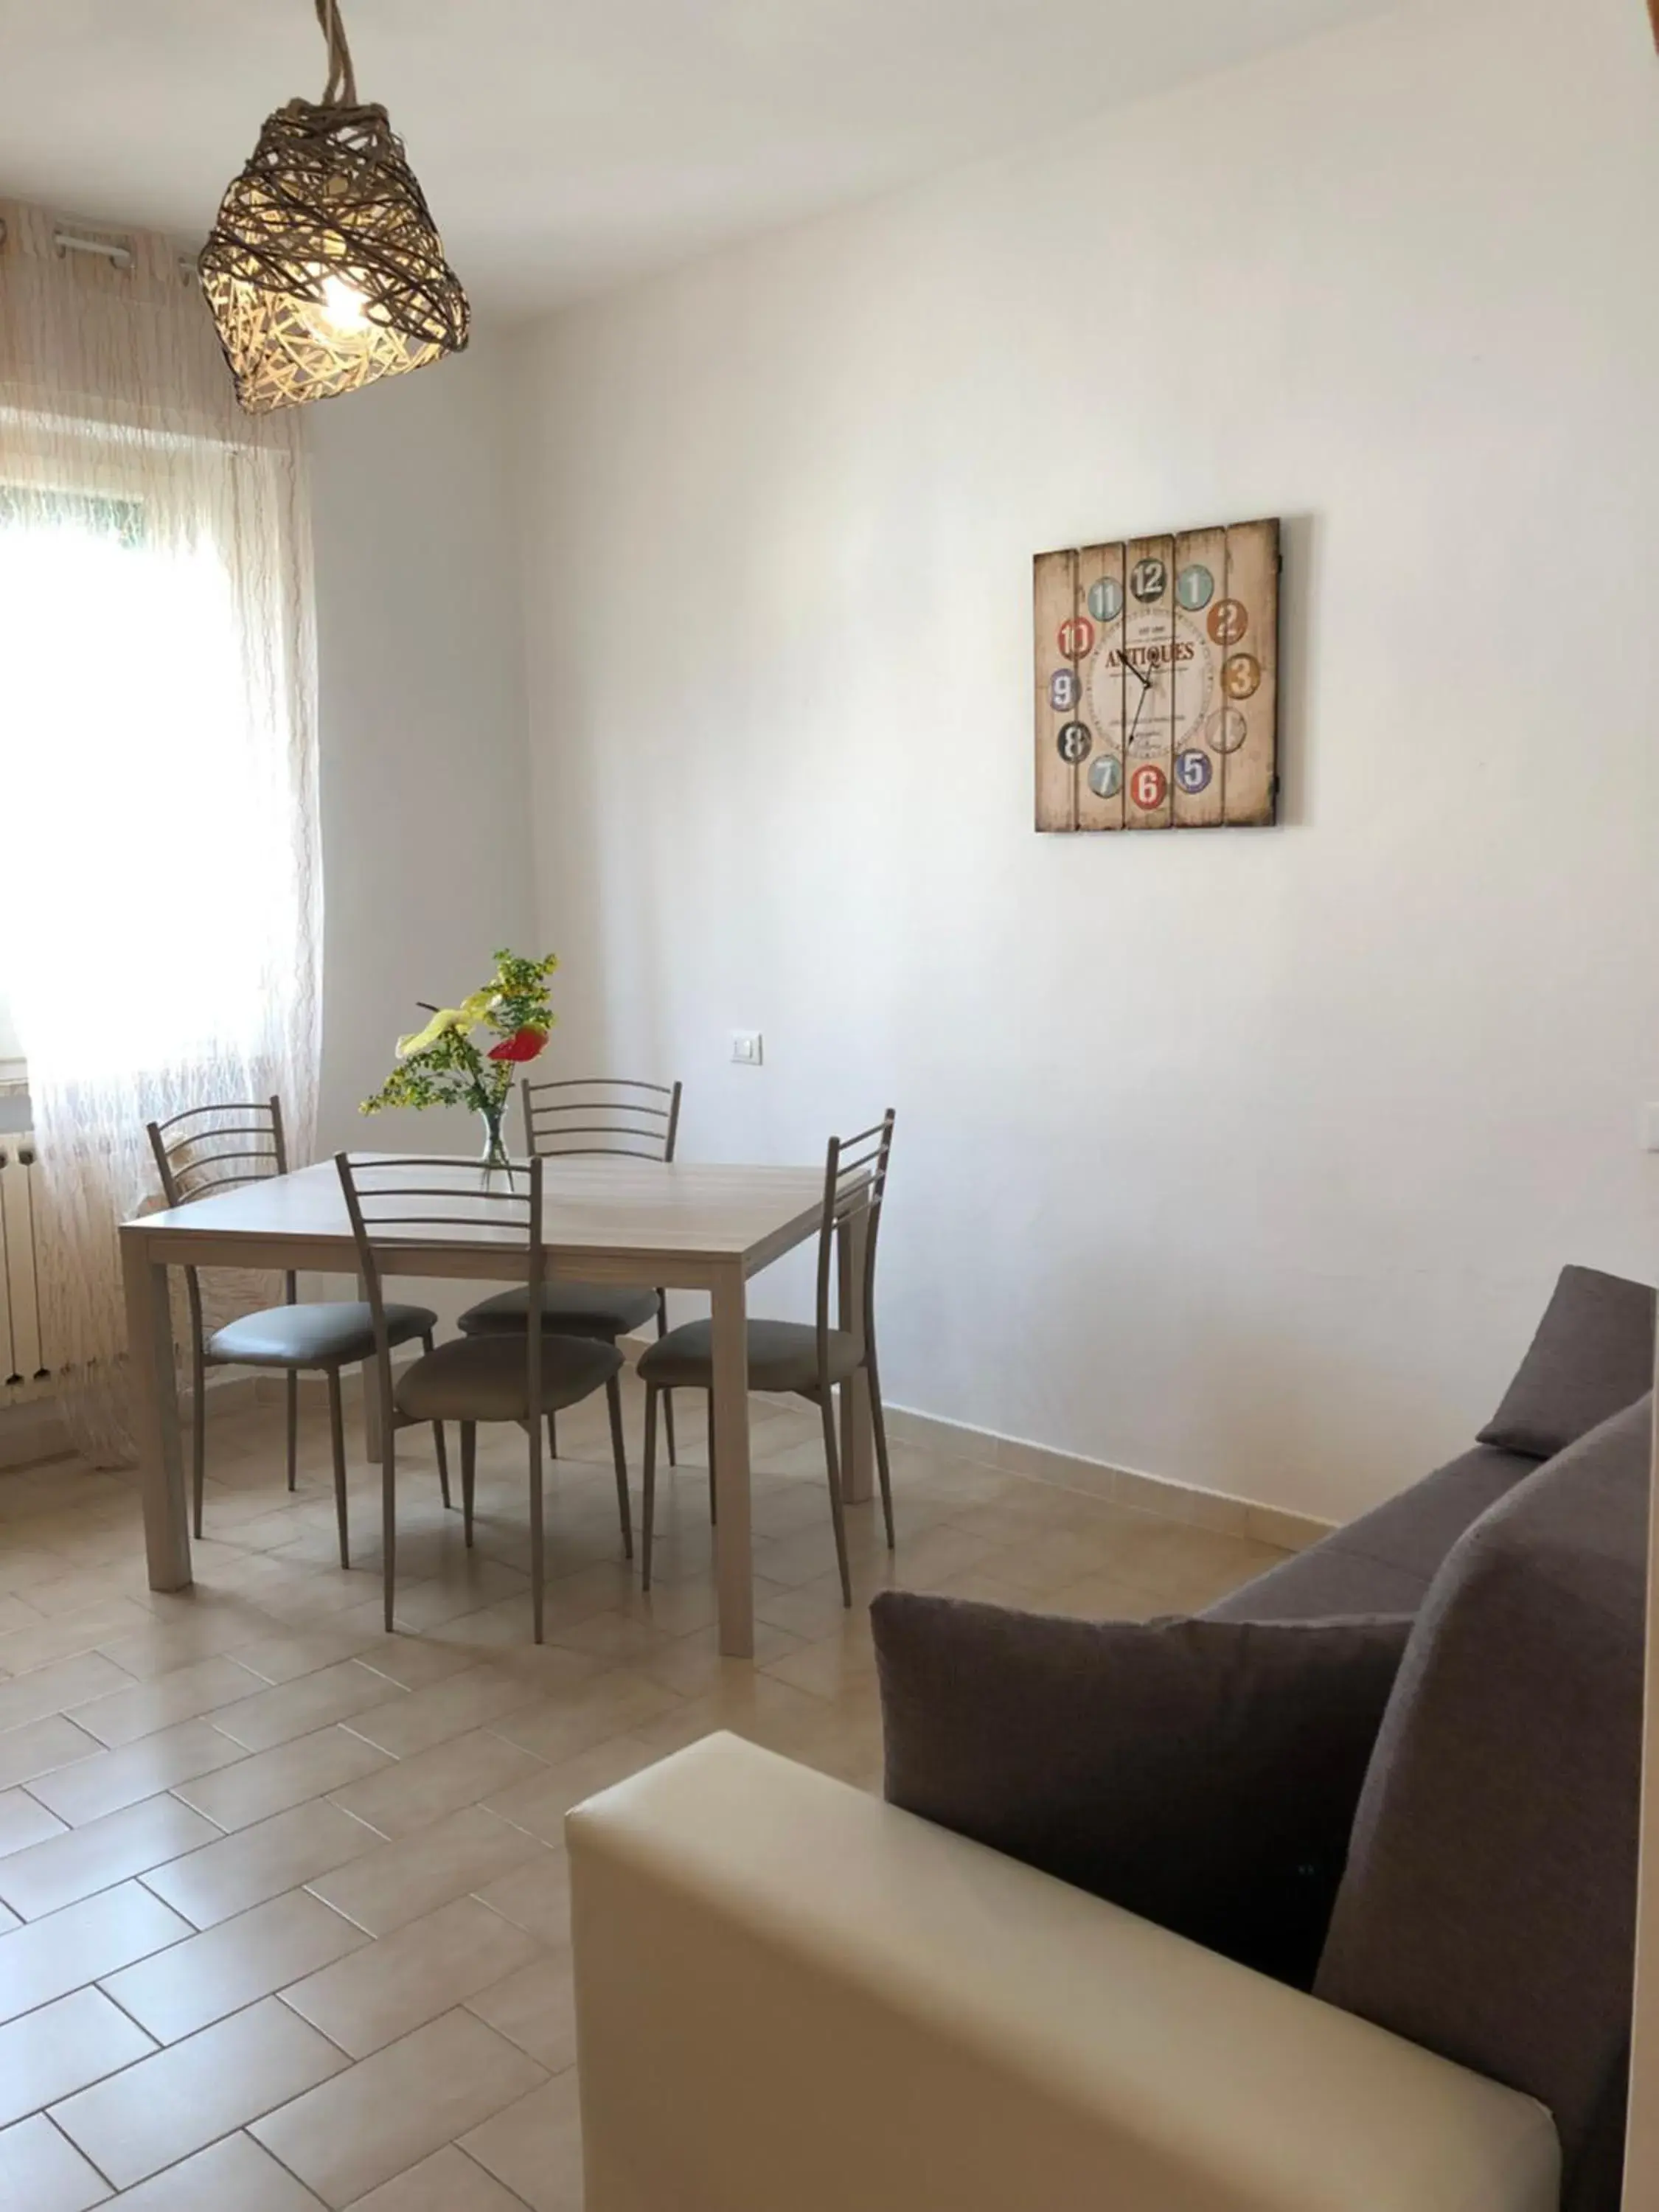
325 270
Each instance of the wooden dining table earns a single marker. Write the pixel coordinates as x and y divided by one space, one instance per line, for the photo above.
677 1226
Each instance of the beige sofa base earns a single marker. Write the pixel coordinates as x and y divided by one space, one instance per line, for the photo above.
793 1998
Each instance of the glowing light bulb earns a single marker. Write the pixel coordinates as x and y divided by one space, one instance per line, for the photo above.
344 309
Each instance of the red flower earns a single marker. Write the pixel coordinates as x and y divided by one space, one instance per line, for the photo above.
523 1044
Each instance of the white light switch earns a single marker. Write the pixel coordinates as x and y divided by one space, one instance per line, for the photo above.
1651 1128
746 1047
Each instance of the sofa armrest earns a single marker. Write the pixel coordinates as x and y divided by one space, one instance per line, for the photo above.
790 1994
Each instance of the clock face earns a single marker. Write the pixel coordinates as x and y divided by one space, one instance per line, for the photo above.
1180 664
1157 681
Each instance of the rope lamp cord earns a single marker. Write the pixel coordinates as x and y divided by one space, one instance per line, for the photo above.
325 270
341 90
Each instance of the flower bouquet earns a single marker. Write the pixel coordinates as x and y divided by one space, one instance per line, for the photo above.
443 1066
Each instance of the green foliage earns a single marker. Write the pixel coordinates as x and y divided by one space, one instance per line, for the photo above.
441 1066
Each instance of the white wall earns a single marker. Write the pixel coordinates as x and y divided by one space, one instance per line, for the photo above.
426 848
1245 1158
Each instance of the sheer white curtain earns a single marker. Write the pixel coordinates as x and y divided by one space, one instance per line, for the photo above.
159 888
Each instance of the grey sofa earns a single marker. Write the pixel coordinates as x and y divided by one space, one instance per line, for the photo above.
840 2001
1482 1792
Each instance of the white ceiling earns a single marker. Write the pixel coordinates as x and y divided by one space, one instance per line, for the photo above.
566 144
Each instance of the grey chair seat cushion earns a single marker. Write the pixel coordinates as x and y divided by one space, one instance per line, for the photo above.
1201 1773
606 1309
1488 1911
485 1378
783 1355
1592 1357
323 1336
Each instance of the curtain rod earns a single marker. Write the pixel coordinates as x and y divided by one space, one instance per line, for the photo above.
68 241
119 256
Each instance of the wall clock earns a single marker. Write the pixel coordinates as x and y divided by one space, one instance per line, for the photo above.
1157 682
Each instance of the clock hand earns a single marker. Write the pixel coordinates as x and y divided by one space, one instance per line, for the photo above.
1135 725
1145 681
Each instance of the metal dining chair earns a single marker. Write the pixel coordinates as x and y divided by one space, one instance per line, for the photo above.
807 1359
574 1115
215 1148
522 1376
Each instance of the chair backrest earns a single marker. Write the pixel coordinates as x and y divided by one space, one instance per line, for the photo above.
601 1114
854 1182
397 1200
209 1148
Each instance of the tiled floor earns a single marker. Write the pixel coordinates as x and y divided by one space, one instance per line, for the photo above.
283 1906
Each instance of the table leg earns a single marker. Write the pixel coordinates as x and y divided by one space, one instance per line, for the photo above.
154 1389
733 1557
858 1436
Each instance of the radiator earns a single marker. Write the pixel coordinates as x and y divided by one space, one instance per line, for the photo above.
25 1371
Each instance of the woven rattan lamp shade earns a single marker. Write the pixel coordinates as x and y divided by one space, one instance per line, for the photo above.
325 270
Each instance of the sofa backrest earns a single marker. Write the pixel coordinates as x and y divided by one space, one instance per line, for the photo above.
1488 1907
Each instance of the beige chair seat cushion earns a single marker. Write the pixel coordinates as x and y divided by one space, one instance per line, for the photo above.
783 1355
485 1378
322 1335
607 1310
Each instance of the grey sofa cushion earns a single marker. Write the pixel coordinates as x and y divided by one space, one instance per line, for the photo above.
1593 1356
1324 1583
1488 1907
1201 1773
1385 1561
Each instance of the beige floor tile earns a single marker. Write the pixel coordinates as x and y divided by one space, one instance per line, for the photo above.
169 1643
425 1968
402 1881
98 1856
64 1687
453 1707
557 1728
413 1662
42 1747
268 1782
41 2171
448 2181
535 1897
540 1803
227 1877
393 2109
24 1821
536 2008
534 2148
61 1635
308 1704
235 2175
1105 1597
284 1658
17 1613
159 1703
214 1974
93 1787
414 1792
186 2097
47 1959
53 2052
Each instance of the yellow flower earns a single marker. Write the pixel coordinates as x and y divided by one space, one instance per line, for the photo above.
472 1011
446 1017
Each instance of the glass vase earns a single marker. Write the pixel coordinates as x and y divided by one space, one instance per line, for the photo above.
494 1154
